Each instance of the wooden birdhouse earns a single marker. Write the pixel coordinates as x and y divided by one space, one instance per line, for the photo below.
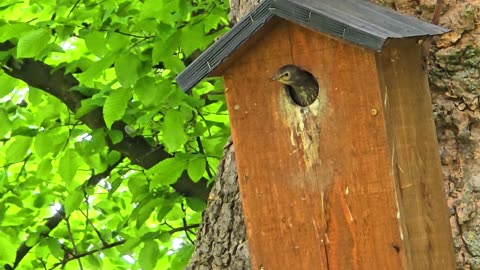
351 181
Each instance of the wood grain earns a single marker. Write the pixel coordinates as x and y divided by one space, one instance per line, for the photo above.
319 186
416 160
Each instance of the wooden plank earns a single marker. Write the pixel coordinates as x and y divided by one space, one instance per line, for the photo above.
419 185
239 52
316 184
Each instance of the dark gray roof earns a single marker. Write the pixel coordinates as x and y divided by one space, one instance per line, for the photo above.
358 21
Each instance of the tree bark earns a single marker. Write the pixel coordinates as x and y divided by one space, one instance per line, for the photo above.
221 239
454 73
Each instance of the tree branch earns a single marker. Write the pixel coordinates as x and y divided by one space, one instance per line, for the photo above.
52 222
58 83
114 244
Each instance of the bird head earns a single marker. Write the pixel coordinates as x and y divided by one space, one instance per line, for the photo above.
287 74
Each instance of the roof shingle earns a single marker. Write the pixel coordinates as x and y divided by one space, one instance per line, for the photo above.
357 21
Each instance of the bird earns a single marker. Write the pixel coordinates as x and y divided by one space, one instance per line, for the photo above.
301 84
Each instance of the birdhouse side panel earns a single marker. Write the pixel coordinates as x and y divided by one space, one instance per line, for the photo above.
316 182
416 161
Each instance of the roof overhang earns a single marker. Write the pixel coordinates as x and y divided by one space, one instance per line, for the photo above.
359 22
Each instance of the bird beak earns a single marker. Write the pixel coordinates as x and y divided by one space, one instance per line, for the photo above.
276 77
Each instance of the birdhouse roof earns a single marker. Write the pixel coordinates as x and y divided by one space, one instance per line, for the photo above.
357 21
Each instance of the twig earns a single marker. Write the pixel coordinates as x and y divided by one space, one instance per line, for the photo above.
51 223
114 244
70 235
81 255
99 235
427 43
202 151
73 8
23 167
185 225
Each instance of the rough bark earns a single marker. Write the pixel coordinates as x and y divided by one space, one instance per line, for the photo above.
221 239
238 9
454 73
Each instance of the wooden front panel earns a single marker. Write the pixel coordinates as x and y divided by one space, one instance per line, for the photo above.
416 160
316 183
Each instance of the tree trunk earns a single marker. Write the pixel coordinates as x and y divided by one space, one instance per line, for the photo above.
454 73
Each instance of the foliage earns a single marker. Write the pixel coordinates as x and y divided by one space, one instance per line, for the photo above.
105 161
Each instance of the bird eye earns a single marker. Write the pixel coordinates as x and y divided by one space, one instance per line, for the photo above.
286 75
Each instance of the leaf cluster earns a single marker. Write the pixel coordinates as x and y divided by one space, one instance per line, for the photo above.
105 162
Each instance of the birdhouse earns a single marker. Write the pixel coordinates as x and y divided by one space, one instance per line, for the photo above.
350 179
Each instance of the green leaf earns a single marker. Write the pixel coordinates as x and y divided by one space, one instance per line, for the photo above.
175 213
96 162
88 105
165 48
113 156
181 257
13 200
163 211
94 144
32 239
193 38
145 209
49 142
32 43
40 200
126 68
7 84
166 172
73 201
129 245
149 255
24 131
8 244
196 168
115 182
138 186
214 18
96 69
173 132
55 247
115 136
165 11
44 169
174 63
115 105
5 124
139 46
118 42
68 165
18 149
165 237
196 204
146 91
96 43
9 31
94 262
35 96
42 143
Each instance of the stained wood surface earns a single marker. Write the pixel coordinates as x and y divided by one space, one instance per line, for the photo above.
416 160
351 182
316 184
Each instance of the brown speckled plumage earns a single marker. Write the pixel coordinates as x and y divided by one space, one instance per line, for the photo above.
303 86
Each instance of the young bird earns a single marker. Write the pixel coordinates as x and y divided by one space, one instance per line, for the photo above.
303 86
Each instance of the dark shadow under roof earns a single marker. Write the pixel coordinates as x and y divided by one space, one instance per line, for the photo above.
357 21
